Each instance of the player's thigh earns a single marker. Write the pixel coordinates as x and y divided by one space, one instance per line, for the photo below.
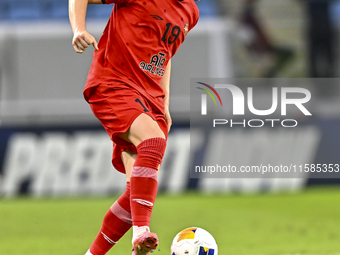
128 159
142 128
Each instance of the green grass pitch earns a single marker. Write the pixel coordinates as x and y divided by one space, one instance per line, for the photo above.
303 223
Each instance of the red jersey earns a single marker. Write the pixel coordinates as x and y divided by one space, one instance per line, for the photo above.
138 41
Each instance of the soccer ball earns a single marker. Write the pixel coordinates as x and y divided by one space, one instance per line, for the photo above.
194 241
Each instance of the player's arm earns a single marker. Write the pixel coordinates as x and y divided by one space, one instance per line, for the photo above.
95 2
165 84
77 14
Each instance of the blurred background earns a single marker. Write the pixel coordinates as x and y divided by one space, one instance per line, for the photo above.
51 145
50 142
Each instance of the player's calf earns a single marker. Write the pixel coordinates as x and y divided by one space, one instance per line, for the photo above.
117 221
144 184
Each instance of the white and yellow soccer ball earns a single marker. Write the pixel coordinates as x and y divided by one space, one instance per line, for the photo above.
194 241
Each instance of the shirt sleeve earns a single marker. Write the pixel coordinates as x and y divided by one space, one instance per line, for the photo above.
196 17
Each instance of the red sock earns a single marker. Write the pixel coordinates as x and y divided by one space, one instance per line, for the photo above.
117 221
144 179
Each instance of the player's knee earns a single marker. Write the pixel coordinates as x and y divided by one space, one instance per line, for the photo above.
150 152
144 128
128 157
150 133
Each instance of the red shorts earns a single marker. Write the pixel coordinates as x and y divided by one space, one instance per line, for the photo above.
116 106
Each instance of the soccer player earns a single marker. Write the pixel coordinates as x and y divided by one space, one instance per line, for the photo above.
128 91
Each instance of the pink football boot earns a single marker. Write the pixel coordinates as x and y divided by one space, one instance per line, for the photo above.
145 243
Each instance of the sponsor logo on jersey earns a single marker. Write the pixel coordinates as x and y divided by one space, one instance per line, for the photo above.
155 66
156 17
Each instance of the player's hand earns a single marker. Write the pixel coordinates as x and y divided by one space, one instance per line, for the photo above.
82 40
168 119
